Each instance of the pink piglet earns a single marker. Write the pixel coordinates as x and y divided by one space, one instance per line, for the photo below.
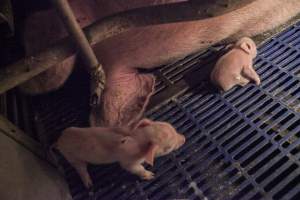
236 66
130 148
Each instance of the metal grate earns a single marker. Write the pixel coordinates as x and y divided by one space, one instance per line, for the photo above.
169 75
243 144
58 110
233 153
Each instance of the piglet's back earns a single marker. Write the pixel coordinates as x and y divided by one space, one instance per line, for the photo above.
95 145
73 140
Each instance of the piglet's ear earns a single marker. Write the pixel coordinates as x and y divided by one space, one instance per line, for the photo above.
150 154
246 47
143 123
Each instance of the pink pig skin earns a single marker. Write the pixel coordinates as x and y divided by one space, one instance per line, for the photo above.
236 66
127 91
130 148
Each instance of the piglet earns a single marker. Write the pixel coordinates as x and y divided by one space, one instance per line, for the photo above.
236 66
162 134
129 147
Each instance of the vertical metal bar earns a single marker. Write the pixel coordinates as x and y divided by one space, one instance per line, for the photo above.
97 73
3 104
27 125
15 108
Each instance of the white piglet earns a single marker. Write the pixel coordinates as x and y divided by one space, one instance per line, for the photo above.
236 66
130 148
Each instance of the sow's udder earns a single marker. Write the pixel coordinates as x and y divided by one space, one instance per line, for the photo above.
124 100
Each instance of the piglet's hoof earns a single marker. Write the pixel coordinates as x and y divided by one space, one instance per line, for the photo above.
147 175
91 192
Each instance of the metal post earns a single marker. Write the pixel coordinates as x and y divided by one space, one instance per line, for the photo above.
97 73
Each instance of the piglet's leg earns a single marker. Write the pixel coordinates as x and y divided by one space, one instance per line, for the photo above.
243 81
81 169
124 99
139 170
251 74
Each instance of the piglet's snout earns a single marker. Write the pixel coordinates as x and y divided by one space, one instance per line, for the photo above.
181 140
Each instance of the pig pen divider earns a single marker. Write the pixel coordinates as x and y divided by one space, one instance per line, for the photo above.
243 144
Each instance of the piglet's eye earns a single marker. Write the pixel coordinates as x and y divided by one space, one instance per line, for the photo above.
123 141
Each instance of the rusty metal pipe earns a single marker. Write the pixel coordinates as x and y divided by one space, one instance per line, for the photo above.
31 66
75 31
87 53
